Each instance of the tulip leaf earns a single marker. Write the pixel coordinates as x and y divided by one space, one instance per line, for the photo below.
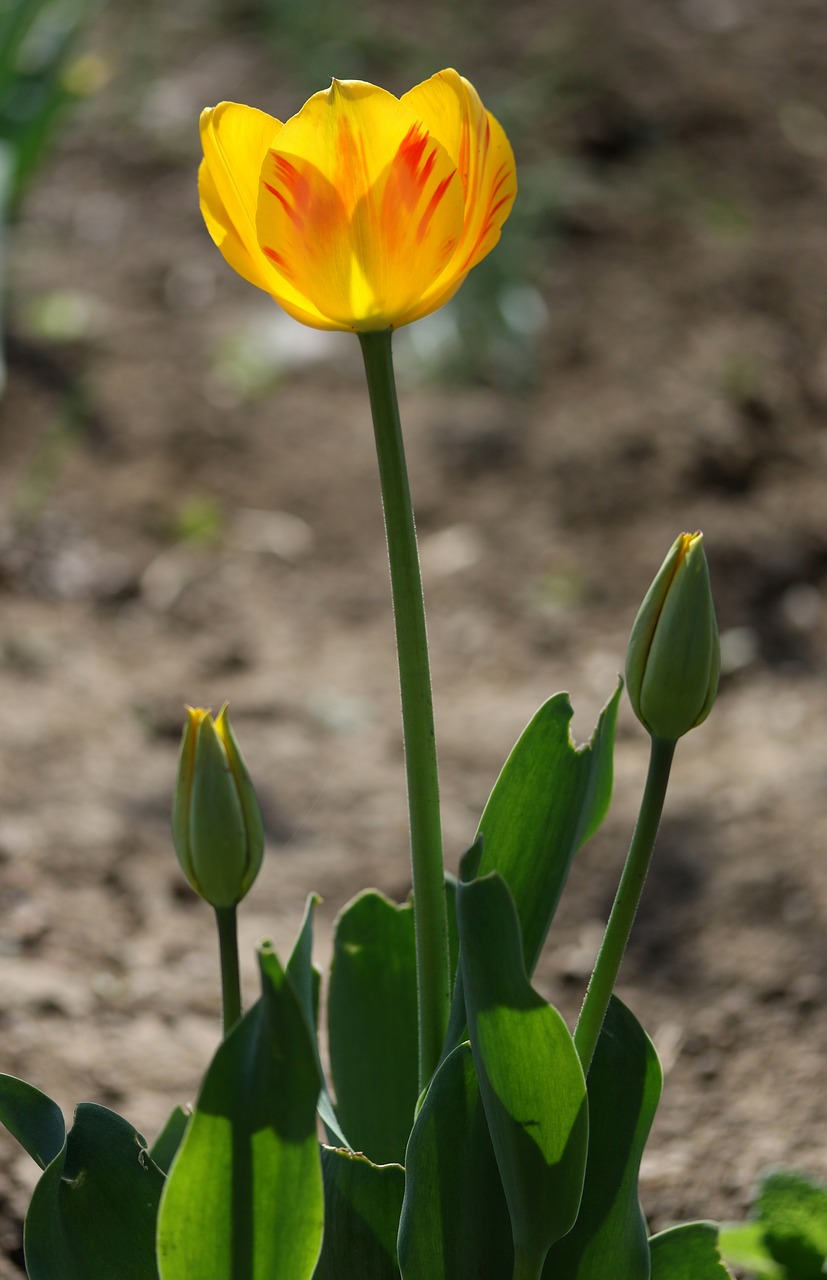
33 1119
303 974
624 1085
687 1252
243 1200
362 1204
743 1245
792 1210
372 1023
170 1138
306 980
548 801
93 1213
454 1217
530 1076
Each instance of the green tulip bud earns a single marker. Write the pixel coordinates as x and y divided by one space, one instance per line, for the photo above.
674 658
216 821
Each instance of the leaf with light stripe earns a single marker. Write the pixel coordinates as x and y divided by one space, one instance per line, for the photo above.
530 1077
243 1200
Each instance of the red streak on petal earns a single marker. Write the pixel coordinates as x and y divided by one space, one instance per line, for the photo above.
293 214
410 153
352 178
433 204
278 261
464 159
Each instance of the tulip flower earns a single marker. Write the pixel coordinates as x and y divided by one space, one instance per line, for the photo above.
216 823
674 658
364 211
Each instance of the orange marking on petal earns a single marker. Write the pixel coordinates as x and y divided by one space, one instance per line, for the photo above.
278 261
411 149
464 158
352 178
292 213
433 204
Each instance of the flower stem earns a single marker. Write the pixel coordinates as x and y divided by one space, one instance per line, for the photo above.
623 912
430 914
227 920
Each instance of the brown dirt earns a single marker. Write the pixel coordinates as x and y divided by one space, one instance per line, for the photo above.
681 384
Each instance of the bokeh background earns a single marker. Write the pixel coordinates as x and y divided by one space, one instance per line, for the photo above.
190 514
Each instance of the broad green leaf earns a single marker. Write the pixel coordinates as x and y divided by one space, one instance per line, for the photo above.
33 1119
792 1209
530 1077
455 1220
362 1204
303 974
743 1245
624 1085
548 801
243 1200
687 1252
306 981
170 1138
453 934
372 1024
457 1022
93 1213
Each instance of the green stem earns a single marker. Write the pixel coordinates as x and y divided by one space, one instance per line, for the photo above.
227 920
626 902
430 914
527 1265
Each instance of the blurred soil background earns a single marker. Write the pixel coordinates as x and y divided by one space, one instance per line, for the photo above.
190 514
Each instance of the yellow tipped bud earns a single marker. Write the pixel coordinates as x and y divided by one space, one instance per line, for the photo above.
216 821
674 659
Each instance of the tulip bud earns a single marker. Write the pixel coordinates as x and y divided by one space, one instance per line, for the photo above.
673 660
216 822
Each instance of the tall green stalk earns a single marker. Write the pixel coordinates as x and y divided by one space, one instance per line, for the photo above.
430 915
623 912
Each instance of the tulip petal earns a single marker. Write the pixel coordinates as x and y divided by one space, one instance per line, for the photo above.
236 140
450 107
363 206
223 231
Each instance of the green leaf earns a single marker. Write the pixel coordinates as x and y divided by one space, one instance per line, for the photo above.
33 1119
792 1210
93 1212
687 1252
306 980
243 1200
372 1023
548 801
362 1204
453 933
169 1139
624 1085
743 1245
303 974
530 1077
454 1217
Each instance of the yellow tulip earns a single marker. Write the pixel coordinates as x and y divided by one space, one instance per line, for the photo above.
363 211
